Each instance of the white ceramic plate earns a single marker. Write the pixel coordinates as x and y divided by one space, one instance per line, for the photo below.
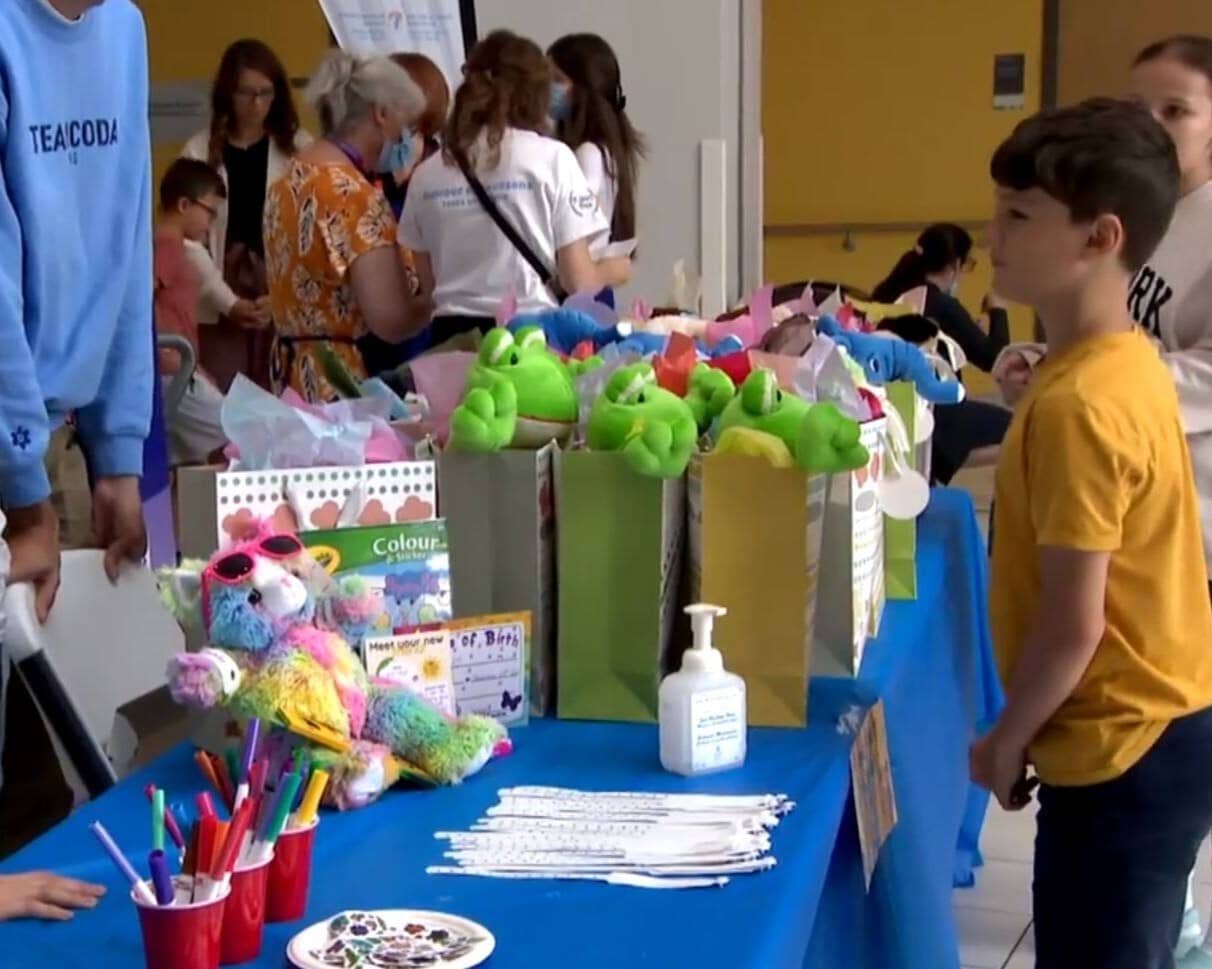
391 939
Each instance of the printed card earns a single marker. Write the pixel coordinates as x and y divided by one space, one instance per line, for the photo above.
490 656
485 659
874 796
419 661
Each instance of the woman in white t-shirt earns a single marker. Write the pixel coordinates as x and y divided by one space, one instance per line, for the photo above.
1171 297
590 111
462 255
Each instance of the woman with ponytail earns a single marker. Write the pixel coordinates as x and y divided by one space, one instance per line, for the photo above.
504 211
939 260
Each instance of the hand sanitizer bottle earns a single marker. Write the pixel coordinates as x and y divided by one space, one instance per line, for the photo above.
702 708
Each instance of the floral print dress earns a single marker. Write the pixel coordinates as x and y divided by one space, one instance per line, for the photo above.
318 220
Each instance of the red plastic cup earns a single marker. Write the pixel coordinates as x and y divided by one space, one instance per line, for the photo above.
290 874
244 915
184 935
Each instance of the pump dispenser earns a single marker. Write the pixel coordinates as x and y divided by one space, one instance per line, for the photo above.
703 719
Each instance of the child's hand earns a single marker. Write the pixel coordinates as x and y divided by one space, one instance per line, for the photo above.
1013 374
253 314
41 895
1001 769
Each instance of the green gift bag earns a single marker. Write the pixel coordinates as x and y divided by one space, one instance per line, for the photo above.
501 524
619 550
900 537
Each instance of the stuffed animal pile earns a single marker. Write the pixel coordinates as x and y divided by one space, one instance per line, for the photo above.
279 629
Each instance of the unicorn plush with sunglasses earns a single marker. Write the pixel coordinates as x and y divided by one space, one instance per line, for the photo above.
279 629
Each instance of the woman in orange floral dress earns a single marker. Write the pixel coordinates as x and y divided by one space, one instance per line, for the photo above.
335 271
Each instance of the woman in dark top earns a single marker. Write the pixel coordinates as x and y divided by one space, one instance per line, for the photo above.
939 260
253 133
942 255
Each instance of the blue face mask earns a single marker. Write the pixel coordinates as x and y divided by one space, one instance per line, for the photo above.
399 154
560 104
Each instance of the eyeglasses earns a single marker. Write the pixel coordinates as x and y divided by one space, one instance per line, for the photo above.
255 93
208 209
234 568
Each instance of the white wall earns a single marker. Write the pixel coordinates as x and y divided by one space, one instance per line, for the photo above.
681 63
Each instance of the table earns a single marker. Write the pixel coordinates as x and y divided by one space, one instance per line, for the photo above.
932 668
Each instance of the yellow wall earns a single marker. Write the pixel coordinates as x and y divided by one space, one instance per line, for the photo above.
187 39
882 111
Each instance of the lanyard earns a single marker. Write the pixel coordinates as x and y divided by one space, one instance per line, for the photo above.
352 153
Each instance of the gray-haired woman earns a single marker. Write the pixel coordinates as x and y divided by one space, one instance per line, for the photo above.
335 271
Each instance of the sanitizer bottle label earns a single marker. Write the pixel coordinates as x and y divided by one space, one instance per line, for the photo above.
717 728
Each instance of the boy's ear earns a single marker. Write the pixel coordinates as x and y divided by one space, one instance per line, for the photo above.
1106 235
182 205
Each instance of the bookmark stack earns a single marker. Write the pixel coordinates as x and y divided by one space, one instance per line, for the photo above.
621 838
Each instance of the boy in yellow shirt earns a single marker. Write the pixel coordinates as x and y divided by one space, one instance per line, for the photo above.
1099 596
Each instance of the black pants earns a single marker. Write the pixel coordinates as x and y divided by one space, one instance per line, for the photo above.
444 327
959 429
1111 860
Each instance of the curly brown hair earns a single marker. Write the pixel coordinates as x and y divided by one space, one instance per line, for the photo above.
283 121
507 84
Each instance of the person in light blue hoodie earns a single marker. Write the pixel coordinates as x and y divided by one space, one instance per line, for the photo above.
75 269
75 304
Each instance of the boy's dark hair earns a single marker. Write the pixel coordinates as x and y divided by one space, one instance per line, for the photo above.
189 179
1099 157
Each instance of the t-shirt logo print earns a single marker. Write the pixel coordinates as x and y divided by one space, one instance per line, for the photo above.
21 438
1149 294
583 205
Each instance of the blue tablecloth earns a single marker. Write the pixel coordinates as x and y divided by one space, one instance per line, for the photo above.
930 666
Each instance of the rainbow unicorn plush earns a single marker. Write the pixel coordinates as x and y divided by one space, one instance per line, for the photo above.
279 630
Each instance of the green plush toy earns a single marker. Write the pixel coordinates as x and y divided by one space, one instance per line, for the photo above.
518 395
709 392
818 436
655 430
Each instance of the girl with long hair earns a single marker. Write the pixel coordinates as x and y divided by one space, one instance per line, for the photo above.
590 112
503 211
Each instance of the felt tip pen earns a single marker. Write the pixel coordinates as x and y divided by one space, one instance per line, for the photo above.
311 800
142 892
277 821
206 807
252 740
158 821
162 880
170 820
207 766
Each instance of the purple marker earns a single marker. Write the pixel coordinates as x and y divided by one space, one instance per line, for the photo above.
252 740
162 880
115 853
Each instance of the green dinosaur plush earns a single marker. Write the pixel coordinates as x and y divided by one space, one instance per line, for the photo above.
819 436
654 429
709 392
518 395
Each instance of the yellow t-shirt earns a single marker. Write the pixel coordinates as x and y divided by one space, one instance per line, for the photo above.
1096 460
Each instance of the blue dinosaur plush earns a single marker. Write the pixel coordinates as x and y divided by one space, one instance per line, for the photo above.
885 359
567 328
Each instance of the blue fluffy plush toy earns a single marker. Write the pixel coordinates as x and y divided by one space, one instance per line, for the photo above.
885 359
567 328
